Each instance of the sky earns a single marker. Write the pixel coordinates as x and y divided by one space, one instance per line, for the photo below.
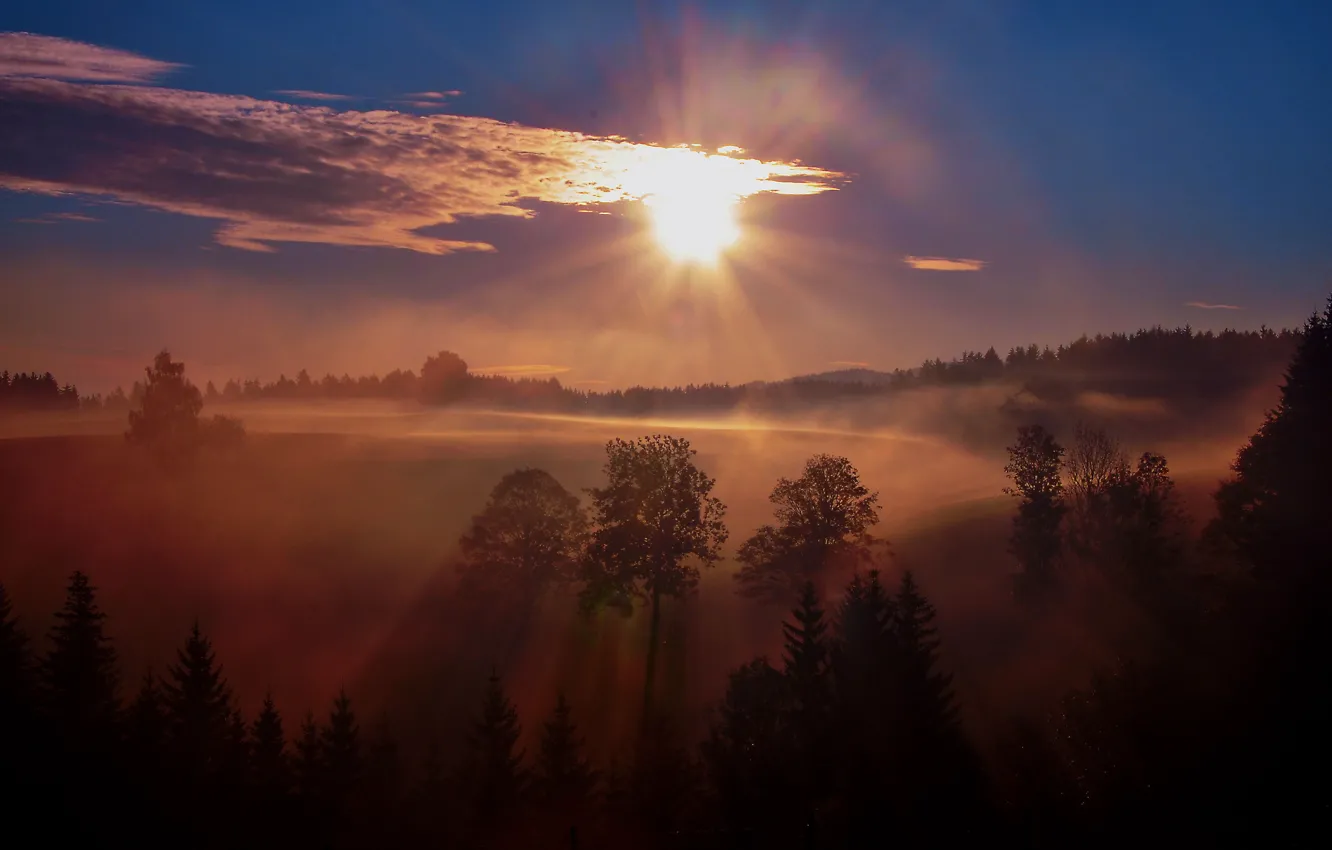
350 187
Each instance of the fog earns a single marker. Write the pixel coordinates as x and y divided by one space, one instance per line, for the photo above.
319 555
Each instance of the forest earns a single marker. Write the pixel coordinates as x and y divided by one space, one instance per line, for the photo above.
1181 363
1207 727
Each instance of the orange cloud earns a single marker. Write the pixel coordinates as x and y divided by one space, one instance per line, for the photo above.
1203 305
944 264
275 172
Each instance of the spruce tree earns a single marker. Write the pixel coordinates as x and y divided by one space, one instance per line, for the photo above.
198 707
494 774
15 666
78 674
748 751
145 727
340 748
806 666
309 762
563 777
270 770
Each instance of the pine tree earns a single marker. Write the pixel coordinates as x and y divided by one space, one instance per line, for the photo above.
748 752
269 767
340 747
15 666
494 774
78 674
806 667
199 713
309 763
145 730
936 773
563 777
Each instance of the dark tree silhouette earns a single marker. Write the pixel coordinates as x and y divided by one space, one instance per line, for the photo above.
270 768
493 775
806 666
146 722
864 664
308 766
655 513
443 378
823 521
563 779
15 665
1034 467
748 752
1275 510
79 678
167 417
530 535
341 759
198 708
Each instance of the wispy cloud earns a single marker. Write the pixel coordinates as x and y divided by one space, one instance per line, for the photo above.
944 264
306 94
525 370
1205 305
849 364
274 171
53 218
433 95
25 54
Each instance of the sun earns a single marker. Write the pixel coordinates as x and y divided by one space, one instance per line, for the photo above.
694 227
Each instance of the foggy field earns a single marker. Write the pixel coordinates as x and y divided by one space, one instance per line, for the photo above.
319 555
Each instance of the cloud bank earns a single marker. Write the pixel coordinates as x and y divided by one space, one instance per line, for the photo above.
944 264
281 172
1204 305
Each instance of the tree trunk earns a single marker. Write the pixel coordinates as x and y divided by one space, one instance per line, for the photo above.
651 674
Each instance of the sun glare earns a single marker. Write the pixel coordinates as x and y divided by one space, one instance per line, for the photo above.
696 227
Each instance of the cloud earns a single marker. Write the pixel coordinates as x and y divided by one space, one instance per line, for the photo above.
433 95
53 218
273 171
530 370
24 54
944 264
305 94
849 364
1204 305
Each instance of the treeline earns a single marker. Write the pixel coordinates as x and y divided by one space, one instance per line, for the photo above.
1154 362
30 391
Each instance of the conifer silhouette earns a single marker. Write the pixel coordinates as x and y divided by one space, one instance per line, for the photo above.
198 707
15 665
308 765
494 776
807 667
270 768
340 750
145 728
79 677
562 777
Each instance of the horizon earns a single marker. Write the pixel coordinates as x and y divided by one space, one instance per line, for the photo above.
660 195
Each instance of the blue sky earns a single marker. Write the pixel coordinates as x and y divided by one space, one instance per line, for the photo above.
1109 167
